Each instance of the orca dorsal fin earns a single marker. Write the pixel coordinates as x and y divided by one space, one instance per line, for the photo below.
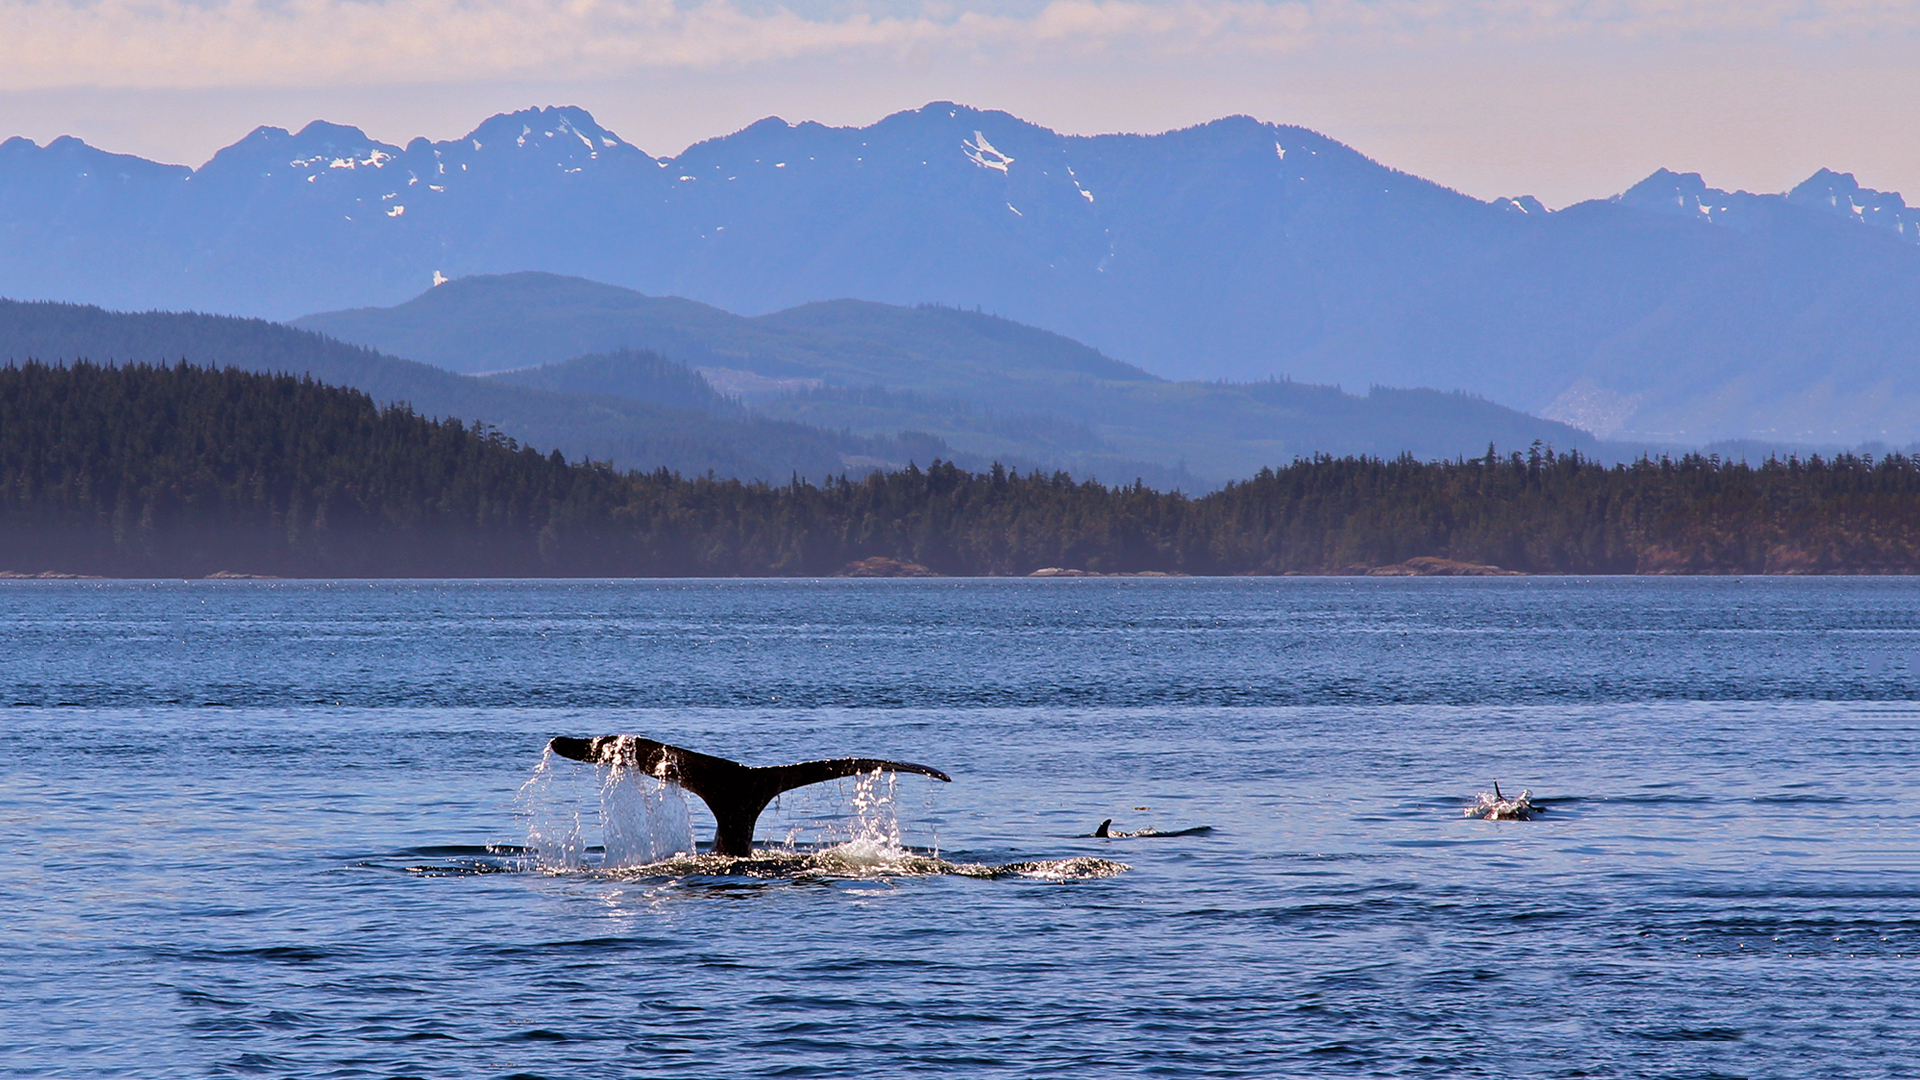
735 793
1102 830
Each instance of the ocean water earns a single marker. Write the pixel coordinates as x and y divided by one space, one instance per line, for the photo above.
283 829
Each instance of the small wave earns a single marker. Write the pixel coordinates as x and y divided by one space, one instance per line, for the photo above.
463 868
1082 868
1683 1034
459 850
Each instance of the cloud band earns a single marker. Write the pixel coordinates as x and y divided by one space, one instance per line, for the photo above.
227 43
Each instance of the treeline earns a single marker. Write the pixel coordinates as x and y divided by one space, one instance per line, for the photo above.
185 471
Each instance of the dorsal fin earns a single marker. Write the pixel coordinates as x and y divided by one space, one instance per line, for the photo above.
735 793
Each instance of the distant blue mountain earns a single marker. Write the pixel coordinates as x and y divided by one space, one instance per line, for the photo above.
1235 249
987 387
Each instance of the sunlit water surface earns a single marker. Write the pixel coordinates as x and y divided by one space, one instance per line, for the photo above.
304 829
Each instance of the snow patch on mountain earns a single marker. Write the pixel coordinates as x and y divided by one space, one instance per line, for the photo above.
1835 194
985 154
1842 195
1523 204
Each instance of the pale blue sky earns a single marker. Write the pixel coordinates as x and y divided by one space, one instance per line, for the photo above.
1563 100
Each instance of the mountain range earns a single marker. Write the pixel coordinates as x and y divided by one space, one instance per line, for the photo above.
1237 249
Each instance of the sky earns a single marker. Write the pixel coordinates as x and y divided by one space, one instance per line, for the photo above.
1561 99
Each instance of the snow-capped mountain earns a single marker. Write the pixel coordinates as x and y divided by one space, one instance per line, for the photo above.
1235 249
1836 194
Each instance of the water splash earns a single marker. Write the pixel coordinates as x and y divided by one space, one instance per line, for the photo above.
872 834
640 819
643 819
550 802
1494 806
645 832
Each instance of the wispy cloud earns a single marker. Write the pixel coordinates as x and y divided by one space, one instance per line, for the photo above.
232 43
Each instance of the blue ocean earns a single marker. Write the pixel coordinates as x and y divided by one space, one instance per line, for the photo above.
309 829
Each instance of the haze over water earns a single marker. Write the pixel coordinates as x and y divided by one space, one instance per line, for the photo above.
274 829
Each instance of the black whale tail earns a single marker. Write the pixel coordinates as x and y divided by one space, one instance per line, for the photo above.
735 793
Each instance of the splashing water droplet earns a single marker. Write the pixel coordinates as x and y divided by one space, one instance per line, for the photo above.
553 817
641 819
644 819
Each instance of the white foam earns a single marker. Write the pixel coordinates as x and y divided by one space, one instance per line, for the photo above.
1492 806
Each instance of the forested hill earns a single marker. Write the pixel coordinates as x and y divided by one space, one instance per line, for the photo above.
185 471
678 428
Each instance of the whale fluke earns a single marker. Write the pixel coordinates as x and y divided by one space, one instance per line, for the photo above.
735 793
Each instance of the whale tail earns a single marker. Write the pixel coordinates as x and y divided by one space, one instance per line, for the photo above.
735 793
